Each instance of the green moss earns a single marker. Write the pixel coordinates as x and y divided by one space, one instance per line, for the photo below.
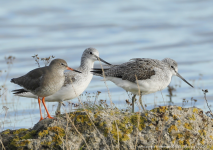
59 134
43 133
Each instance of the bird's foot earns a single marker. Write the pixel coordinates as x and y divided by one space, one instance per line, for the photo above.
41 118
50 117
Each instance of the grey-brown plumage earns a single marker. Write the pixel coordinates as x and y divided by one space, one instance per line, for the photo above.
44 81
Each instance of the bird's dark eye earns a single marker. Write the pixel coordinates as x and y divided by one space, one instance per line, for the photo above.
172 67
90 52
62 64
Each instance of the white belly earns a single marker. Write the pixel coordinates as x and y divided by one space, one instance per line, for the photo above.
145 86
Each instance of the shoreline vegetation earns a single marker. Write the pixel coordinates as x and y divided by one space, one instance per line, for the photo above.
162 127
97 125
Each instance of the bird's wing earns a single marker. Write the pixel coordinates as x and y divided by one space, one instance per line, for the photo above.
138 68
31 80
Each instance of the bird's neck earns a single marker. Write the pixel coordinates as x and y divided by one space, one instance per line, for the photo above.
86 64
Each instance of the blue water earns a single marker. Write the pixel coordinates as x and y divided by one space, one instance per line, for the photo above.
119 30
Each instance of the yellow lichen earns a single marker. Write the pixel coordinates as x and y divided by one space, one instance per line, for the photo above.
211 137
15 143
180 142
165 118
195 110
192 117
179 122
120 130
106 132
19 131
173 141
59 134
23 143
179 108
188 126
202 141
96 114
29 135
43 133
172 127
138 121
6 131
153 119
202 132
175 117
46 143
186 142
162 109
116 132
179 135
83 119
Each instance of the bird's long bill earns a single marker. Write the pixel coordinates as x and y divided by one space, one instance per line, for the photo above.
68 68
103 60
183 79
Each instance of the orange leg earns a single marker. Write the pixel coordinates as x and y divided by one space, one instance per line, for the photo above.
48 114
39 102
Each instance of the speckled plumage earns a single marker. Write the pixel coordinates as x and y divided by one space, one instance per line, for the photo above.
141 76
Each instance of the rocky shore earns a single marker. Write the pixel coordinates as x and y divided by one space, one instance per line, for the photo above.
163 127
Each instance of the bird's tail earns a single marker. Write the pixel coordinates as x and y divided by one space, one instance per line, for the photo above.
19 91
98 71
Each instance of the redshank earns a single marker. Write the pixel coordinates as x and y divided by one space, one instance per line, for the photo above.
142 76
75 83
45 81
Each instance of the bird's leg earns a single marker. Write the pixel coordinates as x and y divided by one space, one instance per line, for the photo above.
58 112
140 100
48 114
133 103
39 103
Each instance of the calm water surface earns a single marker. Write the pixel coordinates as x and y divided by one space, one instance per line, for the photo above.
120 30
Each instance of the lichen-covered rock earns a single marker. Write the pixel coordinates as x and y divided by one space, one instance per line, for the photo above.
162 127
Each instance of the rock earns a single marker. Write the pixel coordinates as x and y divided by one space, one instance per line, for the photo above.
162 127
